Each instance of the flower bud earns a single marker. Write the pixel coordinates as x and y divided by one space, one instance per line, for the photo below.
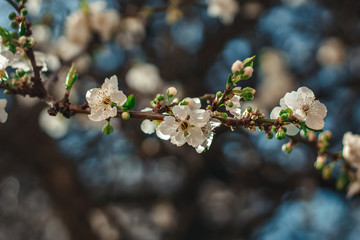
171 92
189 101
219 94
237 67
320 162
175 101
249 109
24 12
125 115
107 129
22 40
12 16
287 148
248 71
229 104
269 135
32 41
20 72
14 25
280 135
160 97
224 115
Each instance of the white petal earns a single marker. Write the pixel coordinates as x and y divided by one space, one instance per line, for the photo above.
292 100
197 103
111 84
3 62
148 126
119 98
96 116
306 91
178 139
195 137
292 130
181 111
161 135
275 112
315 122
318 108
3 103
168 126
282 103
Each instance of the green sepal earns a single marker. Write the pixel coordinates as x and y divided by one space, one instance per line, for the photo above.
130 102
22 29
249 62
229 81
71 77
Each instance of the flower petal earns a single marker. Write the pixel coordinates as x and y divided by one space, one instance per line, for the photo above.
178 139
318 108
315 122
148 126
119 98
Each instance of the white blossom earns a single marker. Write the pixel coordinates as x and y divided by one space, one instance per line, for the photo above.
3 113
306 108
224 9
132 32
77 28
6 59
233 105
101 100
185 126
351 149
208 131
144 78
292 130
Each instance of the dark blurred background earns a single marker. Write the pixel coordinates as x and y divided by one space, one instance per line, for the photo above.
63 179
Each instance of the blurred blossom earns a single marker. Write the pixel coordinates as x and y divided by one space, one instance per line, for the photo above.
164 215
252 10
55 126
144 78
34 6
42 33
188 34
150 146
102 227
276 79
331 52
226 10
132 32
26 101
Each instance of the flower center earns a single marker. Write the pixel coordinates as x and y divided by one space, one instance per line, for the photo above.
107 100
305 108
184 125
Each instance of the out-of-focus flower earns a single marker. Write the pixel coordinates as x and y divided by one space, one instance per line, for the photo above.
3 113
185 126
144 78
101 100
306 108
80 24
224 9
105 22
233 106
132 32
22 61
77 28
55 126
351 149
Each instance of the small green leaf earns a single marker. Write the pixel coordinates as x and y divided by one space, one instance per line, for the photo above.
130 102
249 62
22 29
71 77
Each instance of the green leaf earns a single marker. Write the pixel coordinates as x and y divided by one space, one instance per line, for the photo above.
130 102
22 29
71 77
249 62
